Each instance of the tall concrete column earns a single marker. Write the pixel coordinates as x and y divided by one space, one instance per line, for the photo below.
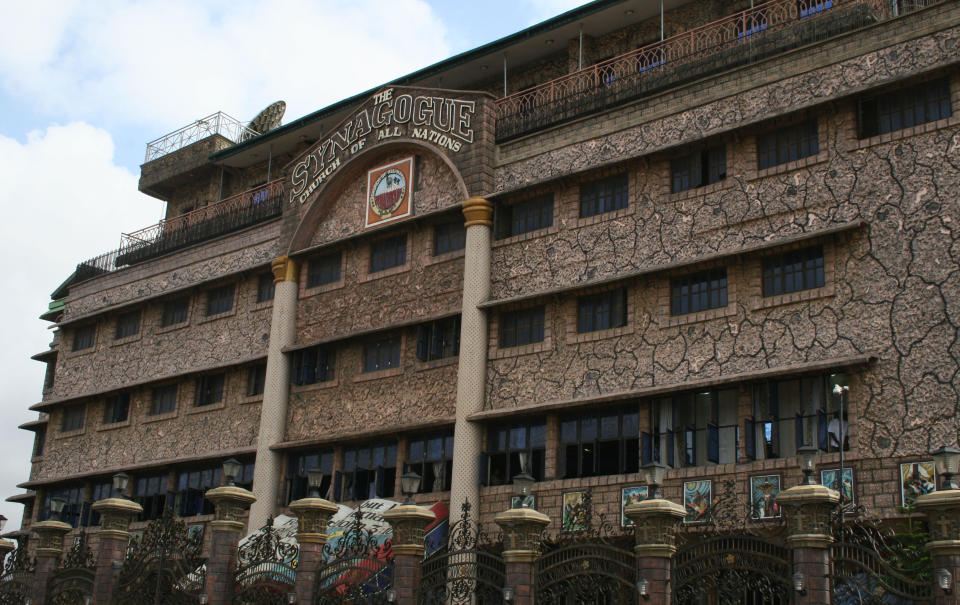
276 390
472 372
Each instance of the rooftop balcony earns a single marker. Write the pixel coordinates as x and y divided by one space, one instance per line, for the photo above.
218 123
739 39
230 214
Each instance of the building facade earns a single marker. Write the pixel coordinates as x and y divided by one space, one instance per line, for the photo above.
705 237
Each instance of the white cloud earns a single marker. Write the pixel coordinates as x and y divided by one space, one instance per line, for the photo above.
64 200
168 63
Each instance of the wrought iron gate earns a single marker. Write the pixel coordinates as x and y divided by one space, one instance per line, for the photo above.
469 569
266 568
17 575
72 582
359 571
164 566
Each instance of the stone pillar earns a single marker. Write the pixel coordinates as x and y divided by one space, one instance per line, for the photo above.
807 509
472 371
231 504
943 513
409 523
655 524
115 517
49 549
276 390
313 516
522 531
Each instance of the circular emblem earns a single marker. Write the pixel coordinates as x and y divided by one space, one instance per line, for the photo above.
388 193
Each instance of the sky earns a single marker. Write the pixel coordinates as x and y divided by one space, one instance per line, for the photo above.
85 84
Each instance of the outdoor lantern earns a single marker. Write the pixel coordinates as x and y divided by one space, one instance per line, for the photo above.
798 586
409 485
944 580
203 598
120 481
807 455
524 484
314 481
947 459
654 473
231 470
56 505
291 597
3 522
643 586
87 600
391 596
508 594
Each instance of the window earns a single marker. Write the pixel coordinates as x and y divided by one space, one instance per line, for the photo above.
220 300
73 509
388 253
128 324
793 271
175 311
313 365
438 339
72 418
381 355
265 287
515 449
50 375
604 443
432 459
700 168
788 144
150 492
84 336
209 389
245 478
698 292
449 237
369 472
602 311
40 441
604 195
891 111
99 491
693 429
191 485
523 327
116 408
523 217
297 466
256 379
809 8
163 400
324 270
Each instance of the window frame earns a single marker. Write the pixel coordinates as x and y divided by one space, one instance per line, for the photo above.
788 144
266 287
439 339
115 406
388 253
526 216
73 418
256 379
584 445
173 310
604 195
325 269
159 399
703 167
449 237
128 325
388 354
531 319
605 310
444 458
709 286
210 389
500 444
782 267
383 484
896 110
84 337
313 365
220 299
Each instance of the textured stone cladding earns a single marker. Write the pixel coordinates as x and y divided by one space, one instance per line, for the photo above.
891 290
185 433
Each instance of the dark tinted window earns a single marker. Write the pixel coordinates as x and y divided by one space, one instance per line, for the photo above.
209 389
175 311
604 443
788 144
388 253
793 271
116 408
220 300
72 418
698 292
163 399
128 324
83 337
265 287
604 195
521 327
700 168
256 379
523 217
513 449
324 270
449 237
381 355
602 311
438 339
927 102
313 365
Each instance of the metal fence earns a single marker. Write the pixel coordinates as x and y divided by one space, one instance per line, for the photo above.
219 123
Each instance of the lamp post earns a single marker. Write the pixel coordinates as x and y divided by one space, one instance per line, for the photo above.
524 484
56 507
314 482
231 470
654 472
120 482
409 485
807 456
947 460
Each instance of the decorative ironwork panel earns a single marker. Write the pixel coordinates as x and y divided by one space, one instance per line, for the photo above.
72 581
732 569
266 568
592 573
164 566
470 569
17 575
359 571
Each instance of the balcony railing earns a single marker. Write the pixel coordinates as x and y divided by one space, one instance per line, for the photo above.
218 123
233 213
739 39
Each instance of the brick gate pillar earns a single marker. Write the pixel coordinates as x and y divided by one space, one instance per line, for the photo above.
231 504
472 371
49 549
409 523
943 513
809 536
313 516
522 531
655 524
115 517
276 390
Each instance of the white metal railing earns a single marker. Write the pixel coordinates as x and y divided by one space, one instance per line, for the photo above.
217 123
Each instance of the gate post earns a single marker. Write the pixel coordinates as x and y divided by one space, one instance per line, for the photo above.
655 530
409 523
51 535
313 515
230 505
943 513
115 517
809 535
522 531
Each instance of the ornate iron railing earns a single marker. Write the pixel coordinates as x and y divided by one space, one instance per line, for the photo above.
266 568
217 123
233 213
739 39
72 581
359 568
